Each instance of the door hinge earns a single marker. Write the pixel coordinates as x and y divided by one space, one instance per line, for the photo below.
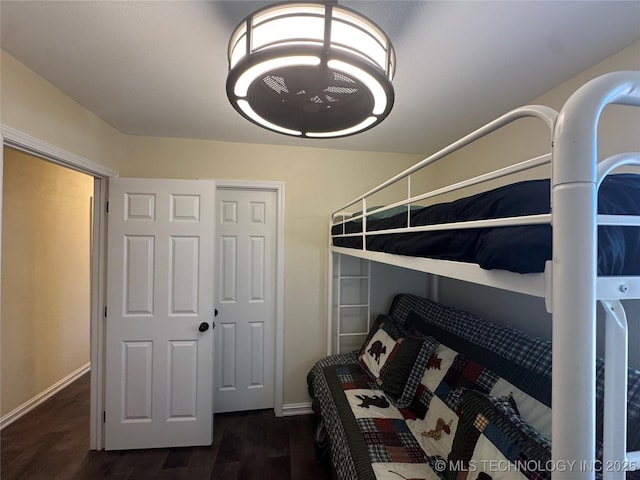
104 417
107 207
105 311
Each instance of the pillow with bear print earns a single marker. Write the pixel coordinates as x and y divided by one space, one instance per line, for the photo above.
395 362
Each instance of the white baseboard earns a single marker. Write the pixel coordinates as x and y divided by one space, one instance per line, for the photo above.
29 405
296 409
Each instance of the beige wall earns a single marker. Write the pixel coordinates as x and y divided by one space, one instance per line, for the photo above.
32 105
526 138
45 276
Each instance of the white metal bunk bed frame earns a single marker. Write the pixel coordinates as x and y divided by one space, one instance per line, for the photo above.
570 284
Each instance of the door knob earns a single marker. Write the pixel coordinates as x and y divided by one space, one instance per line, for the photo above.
204 326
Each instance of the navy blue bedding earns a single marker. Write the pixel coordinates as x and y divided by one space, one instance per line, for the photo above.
522 249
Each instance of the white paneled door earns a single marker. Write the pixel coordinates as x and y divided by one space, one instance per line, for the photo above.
160 313
245 290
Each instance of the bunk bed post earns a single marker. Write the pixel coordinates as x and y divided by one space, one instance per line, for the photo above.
574 326
574 274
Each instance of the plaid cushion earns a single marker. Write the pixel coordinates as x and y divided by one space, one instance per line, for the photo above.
341 458
531 353
390 440
490 429
484 370
439 405
369 437
517 347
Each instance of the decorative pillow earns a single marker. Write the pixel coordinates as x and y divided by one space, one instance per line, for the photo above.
437 403
395 362
491 373
493 442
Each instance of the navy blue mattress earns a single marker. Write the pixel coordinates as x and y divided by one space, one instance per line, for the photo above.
522 249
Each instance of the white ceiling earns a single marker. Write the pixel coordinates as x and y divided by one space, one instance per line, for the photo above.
158 68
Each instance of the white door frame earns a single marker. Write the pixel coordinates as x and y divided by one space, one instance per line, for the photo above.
26 143
278 188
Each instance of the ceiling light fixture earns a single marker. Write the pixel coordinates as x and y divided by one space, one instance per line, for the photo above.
315 70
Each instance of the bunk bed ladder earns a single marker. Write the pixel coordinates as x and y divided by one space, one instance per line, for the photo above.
350 303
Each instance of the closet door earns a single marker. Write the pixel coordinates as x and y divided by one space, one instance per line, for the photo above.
160 313
246 290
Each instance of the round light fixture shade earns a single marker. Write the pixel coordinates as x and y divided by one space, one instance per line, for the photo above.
315 70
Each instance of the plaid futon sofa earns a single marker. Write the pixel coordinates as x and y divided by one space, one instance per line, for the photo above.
436 393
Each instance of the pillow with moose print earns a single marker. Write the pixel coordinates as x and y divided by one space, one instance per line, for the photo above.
395 362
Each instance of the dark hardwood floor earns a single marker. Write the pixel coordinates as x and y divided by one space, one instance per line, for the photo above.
52 442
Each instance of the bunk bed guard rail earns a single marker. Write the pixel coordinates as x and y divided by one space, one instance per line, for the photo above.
532 284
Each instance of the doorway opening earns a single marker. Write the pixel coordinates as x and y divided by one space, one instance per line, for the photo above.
46 278
97 175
